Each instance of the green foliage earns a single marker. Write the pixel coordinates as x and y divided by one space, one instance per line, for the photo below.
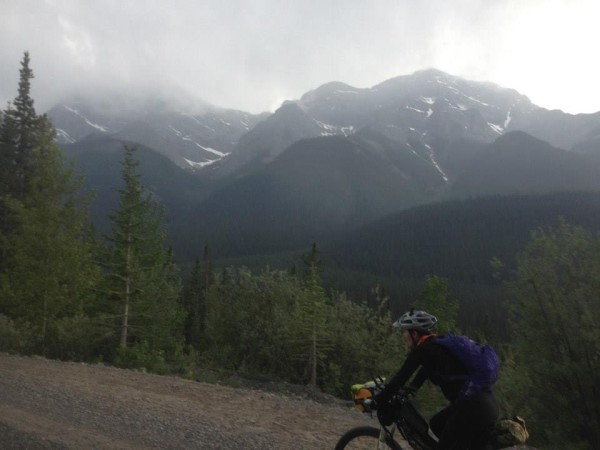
363 344
19 134
264 324
144 283
556 316
194 300
141 356
248 319
434 299
47 271
14 337
310 318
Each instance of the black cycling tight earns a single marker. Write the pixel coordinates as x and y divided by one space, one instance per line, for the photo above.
466 423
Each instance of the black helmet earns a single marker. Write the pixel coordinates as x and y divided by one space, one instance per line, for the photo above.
416 320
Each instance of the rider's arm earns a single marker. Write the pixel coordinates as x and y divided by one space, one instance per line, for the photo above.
409 367
421 377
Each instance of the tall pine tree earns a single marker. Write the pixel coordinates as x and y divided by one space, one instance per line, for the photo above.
144 283
194 301
20 132
47 269
312 315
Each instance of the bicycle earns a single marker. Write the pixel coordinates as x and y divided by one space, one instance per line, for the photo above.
412 427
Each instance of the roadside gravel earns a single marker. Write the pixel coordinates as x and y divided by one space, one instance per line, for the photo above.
47 404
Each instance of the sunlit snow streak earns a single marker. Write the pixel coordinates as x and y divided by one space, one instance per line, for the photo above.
497 128
508 119
66 136
212 150
189 139
435 163
199 165
346 92
333 130
98 127
415 109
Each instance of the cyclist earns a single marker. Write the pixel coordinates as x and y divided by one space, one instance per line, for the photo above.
466 422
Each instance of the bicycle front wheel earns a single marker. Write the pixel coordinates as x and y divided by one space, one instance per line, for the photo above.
364 438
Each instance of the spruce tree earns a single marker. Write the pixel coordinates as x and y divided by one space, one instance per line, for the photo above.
312 316
19 135
143 278
194 301
556 316
47 272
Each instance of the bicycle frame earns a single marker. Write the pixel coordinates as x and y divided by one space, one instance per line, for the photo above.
384 432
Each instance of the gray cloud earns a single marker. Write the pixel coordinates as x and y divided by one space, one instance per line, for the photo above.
252 55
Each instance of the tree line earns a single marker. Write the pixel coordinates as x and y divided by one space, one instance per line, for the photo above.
68 293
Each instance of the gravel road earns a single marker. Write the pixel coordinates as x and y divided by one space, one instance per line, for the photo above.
47 404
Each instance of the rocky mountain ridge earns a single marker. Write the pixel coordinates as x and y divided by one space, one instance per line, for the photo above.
338 157
428 110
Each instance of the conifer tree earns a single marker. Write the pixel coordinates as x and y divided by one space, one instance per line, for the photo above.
195 299
19 134
312 315
144 281
18 130
556 317
48 270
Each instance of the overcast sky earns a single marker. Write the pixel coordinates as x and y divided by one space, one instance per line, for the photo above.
254 54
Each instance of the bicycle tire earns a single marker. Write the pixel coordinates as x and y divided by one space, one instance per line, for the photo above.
371 435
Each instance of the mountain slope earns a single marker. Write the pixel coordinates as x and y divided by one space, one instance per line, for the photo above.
316 189
429 110
191 140
98 159
458 239
520 163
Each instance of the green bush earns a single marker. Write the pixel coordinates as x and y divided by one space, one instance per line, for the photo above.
14 337
140 356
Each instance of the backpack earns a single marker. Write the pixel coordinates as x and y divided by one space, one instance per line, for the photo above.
508 432
482 363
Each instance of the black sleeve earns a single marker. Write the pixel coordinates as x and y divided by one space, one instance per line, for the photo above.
412 363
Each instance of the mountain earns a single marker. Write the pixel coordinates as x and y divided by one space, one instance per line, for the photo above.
429 110
336 159
191 140
444 118
519 163
98 158
457 239
316 189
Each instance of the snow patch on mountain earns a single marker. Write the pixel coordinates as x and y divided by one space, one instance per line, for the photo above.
458 106
473 99
338 91
64 136
431 155
508 119
212 150
95 125
416 109
334 130
199 165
